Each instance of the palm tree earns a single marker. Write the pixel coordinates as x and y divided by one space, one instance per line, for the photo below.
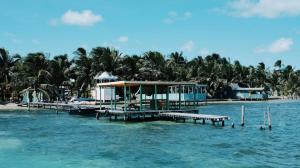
39 78
128 68
105 59
83 71
6 64
151 66
176 66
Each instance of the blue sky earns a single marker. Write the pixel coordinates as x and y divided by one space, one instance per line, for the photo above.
251 31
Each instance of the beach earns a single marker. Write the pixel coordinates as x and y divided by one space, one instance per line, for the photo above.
11 106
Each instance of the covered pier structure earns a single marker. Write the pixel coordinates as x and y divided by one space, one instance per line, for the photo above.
153 95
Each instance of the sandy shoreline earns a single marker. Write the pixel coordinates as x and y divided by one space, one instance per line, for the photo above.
11 106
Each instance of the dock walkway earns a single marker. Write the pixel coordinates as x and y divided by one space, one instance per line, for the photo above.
195 117
187 114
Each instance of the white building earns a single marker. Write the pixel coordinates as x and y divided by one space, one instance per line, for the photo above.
105 93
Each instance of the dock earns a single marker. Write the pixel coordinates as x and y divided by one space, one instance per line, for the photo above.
129 115
71 108
184 116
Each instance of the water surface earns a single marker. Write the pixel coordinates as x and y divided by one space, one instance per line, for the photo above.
40 138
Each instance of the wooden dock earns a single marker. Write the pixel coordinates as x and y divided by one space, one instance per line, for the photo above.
195 117
71 108
183 115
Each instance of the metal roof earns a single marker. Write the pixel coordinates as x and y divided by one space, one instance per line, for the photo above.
105 75
149 83
248 89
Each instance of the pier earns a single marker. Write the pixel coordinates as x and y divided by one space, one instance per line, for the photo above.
184 116
129 115
71 108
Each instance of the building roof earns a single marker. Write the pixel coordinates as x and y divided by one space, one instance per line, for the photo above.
236 87
248 89
149 83
105 75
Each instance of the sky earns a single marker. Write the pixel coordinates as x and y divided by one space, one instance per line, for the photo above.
250 31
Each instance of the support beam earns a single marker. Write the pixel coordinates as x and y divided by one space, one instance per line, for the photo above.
111 97
100 98
194 94
167 97
243 116
115 97
129 93
155 96
125 99
141 97
179 97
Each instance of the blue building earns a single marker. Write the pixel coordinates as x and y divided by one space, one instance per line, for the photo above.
243 93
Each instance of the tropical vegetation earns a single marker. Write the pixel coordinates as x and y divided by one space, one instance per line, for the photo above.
38 72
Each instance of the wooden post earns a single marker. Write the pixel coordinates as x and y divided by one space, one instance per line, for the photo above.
141 97
167 97
179 89
194 92
223 123
125 99
129 92
111 98
155 96
56 105
269 118
100 98
242 116
28 101
115 98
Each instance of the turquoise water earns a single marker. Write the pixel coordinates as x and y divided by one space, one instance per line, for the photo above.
44 139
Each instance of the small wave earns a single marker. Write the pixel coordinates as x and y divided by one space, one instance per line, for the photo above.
243 152
14 116
9 143
222 145
3 133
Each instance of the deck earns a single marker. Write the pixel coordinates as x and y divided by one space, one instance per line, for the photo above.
187 114
195 117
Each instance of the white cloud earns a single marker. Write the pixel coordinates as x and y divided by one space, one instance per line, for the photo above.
264 8
123 39
175 16
278 46
83 18
188 46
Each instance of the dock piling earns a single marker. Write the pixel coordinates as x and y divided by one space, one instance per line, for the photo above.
242 116
269 118
56 105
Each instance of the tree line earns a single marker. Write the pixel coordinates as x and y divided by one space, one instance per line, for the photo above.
37 71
